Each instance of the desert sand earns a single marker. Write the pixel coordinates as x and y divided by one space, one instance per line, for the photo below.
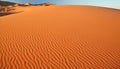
60 37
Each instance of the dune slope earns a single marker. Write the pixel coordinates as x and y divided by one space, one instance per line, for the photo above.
60 37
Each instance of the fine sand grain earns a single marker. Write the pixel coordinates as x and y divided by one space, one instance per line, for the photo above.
60 37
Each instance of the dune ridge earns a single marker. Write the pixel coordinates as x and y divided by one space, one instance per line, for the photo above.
64 37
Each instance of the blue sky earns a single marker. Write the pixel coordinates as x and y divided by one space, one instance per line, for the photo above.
104 3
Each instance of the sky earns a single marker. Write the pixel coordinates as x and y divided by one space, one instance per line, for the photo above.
104 3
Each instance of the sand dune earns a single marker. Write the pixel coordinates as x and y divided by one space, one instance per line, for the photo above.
60 37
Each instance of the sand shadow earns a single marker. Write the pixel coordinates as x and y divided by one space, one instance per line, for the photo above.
8 13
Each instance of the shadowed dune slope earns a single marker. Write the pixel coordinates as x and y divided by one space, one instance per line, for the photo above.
60 37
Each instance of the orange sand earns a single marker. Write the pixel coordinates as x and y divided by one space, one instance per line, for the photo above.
60 37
